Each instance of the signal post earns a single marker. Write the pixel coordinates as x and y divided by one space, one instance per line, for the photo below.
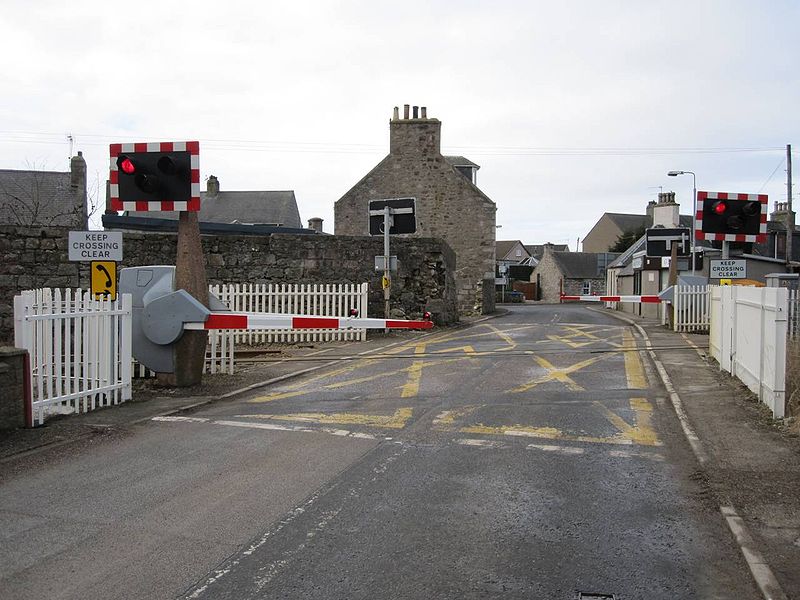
165 176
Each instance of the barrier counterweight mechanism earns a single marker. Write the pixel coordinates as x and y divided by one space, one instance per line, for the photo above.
161 314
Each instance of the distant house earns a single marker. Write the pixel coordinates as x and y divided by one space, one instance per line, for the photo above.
45 198
610 226
255 212
510 252
536 251
448 203
574 273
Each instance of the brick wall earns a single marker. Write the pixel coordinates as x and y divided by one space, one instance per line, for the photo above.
448 206
37 257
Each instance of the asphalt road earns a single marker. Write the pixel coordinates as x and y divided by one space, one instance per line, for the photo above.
526 456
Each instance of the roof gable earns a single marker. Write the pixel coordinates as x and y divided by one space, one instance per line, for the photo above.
506 250
37 198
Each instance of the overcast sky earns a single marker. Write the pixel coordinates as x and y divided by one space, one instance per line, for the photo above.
571 109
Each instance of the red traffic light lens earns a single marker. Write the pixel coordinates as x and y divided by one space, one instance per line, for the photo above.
126 165
719 207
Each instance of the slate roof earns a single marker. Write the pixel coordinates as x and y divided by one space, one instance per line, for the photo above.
461 161
579 265
627 222
246 207
37 198
537 250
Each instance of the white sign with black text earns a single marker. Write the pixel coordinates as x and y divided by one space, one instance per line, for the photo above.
728 269
95 245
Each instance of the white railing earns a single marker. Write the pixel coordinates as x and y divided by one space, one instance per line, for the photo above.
748 338
330 300
691 304
79 347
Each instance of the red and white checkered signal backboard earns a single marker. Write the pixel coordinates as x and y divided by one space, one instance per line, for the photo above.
154 202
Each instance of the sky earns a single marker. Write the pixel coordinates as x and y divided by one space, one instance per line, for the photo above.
571 109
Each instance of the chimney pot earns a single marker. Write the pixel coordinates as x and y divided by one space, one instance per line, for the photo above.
315 223
416 112
424 110
396 115
212 186
406 108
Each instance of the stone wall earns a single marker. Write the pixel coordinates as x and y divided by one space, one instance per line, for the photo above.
448 206
12 388
37 257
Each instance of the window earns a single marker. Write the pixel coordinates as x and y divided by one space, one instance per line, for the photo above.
587 287
519 252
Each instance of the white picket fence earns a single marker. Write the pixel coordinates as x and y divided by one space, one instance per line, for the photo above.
691 304
79 347
329 300
748 338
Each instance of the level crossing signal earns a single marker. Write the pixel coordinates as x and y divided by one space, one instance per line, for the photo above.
160 176
731 217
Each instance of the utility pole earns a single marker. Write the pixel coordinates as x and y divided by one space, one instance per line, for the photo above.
790 216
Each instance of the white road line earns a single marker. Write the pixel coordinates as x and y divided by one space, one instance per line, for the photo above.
763 575
271 427
558 449
480 443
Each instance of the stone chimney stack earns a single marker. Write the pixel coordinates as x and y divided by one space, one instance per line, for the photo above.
212 186
650 206
315 223
666 211
77 182
415 134
781 213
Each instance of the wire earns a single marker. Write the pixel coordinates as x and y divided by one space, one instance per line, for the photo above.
36 137
780 164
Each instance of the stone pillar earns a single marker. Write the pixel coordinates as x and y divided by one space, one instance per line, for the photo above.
13 381
190 275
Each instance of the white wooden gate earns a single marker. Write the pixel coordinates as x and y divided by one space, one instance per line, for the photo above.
79 347
691 304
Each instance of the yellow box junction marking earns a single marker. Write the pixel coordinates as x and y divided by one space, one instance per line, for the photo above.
634 370
578 332
411 387
557 374
641 432
447 418
398 420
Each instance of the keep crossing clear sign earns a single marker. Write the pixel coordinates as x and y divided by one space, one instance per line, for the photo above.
95 245
728 269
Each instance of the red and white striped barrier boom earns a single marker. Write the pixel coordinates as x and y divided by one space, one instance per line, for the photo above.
637 299
226 320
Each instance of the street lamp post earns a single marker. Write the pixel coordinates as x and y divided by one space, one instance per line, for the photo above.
694 208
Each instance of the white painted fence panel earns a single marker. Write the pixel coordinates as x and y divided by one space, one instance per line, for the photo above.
748 339
329 300
80 349
691 304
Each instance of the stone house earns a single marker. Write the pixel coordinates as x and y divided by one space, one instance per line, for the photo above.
576 273
45 198
448 203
